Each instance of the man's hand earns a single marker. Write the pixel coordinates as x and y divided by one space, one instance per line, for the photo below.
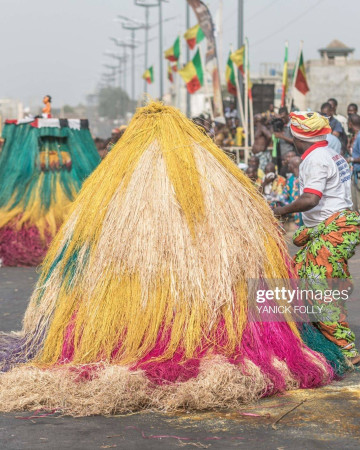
269 178
305 202
279 134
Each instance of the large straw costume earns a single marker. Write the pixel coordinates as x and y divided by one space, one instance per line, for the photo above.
143 297
42 166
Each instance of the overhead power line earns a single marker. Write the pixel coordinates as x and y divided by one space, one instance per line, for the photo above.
288 23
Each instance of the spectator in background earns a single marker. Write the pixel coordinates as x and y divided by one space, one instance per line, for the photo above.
334 143
272 185
252 174
100 145
354 159
352 109
222 134
291 190
286 141
269 115
340 118
231 115
262 141
284 171
254 162
336 127
354 126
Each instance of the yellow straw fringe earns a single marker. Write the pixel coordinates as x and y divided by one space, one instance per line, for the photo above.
167 233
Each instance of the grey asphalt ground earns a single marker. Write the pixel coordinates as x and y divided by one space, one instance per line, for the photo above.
329 417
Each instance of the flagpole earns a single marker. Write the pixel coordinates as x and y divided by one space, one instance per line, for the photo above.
188 104
285 75
295 75
206 86
238 93
251 106
246 98
178 101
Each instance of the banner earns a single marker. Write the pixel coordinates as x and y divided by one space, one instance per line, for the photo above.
301 83
211 61
285 77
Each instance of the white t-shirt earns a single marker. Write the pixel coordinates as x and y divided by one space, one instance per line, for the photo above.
325 173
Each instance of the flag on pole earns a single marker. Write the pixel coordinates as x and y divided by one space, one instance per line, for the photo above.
230 76
285 77
300 80
148 75
193 36
250 85
193 74
170 74
238 58
173 53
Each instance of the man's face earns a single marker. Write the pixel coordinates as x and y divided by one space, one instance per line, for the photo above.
333 106
271 107
45 99
253 162
251 173
327 111
288 157
269 168
284 117
351 110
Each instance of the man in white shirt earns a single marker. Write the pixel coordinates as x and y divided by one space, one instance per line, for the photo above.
332 230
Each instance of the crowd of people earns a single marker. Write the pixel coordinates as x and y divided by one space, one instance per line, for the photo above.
274 164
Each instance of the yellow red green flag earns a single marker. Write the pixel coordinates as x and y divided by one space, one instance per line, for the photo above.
238 58
148 75
300 80
230 76
193 36
193 74
173 53
285 77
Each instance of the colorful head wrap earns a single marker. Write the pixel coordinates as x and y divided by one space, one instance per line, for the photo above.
309 126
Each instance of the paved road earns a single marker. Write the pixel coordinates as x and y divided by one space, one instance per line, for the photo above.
329 417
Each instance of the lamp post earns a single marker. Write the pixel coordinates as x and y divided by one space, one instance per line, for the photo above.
124 45
147 4
133 25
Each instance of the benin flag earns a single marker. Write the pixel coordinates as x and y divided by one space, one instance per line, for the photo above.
173 53
194 35
193 74
300 81
230 76
285 77
170 74
148 75
238 57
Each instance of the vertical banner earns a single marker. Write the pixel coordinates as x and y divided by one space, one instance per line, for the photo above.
211 61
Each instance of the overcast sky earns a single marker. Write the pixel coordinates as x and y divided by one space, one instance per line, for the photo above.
56 47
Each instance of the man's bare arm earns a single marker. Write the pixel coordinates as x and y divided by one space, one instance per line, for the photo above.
305 202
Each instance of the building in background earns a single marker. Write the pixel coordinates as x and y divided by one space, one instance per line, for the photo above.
10 109
336 74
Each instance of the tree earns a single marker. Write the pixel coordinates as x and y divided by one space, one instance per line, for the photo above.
114 103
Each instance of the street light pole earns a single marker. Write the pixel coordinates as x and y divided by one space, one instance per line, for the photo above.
161 51
241 37
146 44
188 105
